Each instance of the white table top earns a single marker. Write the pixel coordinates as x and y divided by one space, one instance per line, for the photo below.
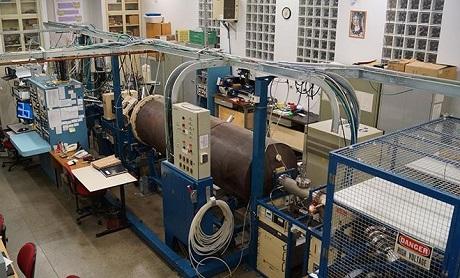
410 212
94 180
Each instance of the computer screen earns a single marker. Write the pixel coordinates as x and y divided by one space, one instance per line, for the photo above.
24 110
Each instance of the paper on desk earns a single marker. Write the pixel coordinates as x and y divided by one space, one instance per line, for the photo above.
7 262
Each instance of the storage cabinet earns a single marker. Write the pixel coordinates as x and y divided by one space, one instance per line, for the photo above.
23 18
123 16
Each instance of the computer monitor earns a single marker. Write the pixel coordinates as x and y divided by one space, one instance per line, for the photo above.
24 110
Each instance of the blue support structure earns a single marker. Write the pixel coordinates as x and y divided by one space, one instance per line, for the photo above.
326 234
258 159
118 105
399 154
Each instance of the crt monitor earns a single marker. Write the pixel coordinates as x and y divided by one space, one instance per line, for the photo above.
24 110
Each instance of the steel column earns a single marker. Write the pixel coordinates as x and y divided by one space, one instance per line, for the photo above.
258 158
118 105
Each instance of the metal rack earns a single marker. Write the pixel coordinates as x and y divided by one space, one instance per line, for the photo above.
412 29
402 187
20 22
317 30
260 29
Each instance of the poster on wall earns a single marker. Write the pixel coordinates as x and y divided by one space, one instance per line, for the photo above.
358 24
68 11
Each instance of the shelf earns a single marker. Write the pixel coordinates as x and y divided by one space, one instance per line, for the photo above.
121 12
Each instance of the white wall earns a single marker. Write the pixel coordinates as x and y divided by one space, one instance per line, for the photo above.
285 47
350 50
449 45
183 14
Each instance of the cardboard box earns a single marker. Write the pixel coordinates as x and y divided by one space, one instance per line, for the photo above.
133 19
434 70
166 38
399 65
166 28
182 35
153 30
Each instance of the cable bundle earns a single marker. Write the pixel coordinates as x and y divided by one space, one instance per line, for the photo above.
208 245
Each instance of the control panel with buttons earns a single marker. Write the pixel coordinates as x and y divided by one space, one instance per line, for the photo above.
191 135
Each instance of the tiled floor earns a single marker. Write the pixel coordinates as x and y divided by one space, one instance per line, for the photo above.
36 211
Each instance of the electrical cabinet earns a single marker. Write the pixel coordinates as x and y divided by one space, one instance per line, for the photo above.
59 114
225 10
321 140
280 244
191 137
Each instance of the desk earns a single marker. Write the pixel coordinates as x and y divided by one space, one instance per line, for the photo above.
94 180
243 112
3 249
59 162
28 144
296 119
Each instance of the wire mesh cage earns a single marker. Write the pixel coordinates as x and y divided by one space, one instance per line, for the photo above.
401 194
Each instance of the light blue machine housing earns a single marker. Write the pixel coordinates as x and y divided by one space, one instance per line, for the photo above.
59 114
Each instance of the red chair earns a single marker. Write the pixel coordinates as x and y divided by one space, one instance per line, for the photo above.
13 153
26 259
72 276
3 230
79 191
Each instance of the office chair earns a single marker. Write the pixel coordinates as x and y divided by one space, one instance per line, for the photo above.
3 230
26 259
8 146
79 191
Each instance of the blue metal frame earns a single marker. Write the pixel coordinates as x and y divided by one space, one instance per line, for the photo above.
451 262
258 159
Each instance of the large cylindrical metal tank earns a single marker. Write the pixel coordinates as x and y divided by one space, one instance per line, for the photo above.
231 148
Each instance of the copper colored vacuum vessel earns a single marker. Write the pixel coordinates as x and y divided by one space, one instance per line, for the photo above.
231 148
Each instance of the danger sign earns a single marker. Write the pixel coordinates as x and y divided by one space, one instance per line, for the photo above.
413 251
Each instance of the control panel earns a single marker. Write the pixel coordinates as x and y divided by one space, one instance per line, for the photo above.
191 136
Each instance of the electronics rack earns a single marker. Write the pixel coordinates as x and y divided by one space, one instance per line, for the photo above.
58 108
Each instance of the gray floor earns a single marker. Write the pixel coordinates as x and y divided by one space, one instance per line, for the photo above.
36 211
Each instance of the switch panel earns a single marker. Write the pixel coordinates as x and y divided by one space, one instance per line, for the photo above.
191 135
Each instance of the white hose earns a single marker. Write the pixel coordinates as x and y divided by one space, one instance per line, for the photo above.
208 245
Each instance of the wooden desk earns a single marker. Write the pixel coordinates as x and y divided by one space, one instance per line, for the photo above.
243 112
94 180
60 164
63 161
3 249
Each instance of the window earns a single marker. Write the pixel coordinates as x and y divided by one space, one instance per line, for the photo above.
317 30
260 29
213 25
412 29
